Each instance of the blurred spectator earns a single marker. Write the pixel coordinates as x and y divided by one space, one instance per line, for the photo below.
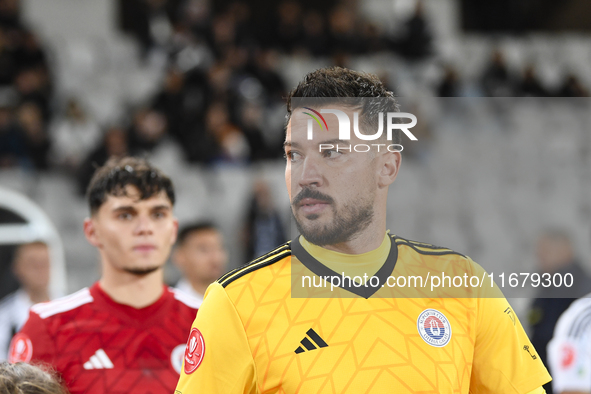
33 85
288 26
30 54
149 21
314 39
23 378
416 40
530 84
31 266
496 79
114 145
9 13
13 146
251 123
263 68
31 122
450 84
73 136
555 255
263 229
344 37
8 66
149 128
230 145
572 87
201 257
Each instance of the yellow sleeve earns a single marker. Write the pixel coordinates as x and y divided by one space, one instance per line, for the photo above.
504 359
226 365
539 390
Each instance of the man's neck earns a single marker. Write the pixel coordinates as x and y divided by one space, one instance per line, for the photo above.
364 242
133 290
200 287
37 296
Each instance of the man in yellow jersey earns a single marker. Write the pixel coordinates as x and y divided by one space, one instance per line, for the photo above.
321 314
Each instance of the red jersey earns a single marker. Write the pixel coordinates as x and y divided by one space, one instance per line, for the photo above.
100 346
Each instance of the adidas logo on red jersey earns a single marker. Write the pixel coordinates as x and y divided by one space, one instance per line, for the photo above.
99 360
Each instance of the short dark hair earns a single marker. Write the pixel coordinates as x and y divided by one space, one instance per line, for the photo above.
337 82
22 378
194 228
112 179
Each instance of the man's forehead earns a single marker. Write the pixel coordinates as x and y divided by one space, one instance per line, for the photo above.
132 197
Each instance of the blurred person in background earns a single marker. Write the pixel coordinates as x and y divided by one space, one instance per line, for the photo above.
127 332
569 350
449 86
73 135
530 84
148 130
572 87
23 378
497 80
263 229
31 266
555 254
417 38
201 257
32 124
114 145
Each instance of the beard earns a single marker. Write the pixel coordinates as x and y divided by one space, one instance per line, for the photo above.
347 222
141 271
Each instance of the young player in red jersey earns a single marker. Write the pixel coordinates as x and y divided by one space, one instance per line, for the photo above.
126 333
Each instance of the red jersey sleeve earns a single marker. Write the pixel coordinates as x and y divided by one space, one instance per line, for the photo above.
32 343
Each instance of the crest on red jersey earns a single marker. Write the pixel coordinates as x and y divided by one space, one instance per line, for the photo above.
21 349
568 356
194 351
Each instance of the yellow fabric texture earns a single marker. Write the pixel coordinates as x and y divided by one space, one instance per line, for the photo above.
252 327
350 264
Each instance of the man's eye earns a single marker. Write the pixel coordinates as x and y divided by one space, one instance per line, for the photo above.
292 156
158 215
124 216
331 154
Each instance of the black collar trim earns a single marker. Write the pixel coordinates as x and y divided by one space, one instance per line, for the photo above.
321 270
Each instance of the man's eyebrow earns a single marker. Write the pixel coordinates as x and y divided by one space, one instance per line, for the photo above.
289 143
124 208
335 141
161 207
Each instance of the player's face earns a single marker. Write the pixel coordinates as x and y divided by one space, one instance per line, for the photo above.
133 235
202 257
332 193
32 266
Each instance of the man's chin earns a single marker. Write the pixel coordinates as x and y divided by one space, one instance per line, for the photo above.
141 271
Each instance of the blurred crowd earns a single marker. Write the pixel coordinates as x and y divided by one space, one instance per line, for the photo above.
221 80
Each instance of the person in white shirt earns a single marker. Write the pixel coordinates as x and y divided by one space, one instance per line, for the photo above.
201 257
31 266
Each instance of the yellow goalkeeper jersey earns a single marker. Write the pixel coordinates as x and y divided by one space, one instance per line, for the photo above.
252 335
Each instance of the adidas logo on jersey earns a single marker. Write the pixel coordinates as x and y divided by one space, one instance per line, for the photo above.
99 360
311 342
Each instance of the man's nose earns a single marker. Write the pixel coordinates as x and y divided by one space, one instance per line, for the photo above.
311 174
144 226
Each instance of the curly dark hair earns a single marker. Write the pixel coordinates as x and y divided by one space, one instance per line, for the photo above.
112 179
23 378
337 85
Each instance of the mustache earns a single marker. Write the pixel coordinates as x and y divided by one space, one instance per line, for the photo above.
309 193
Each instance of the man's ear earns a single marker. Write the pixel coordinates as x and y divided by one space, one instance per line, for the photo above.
175 223
90 232
388 169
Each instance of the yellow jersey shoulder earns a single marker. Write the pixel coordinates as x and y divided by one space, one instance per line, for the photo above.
425 248
266 260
